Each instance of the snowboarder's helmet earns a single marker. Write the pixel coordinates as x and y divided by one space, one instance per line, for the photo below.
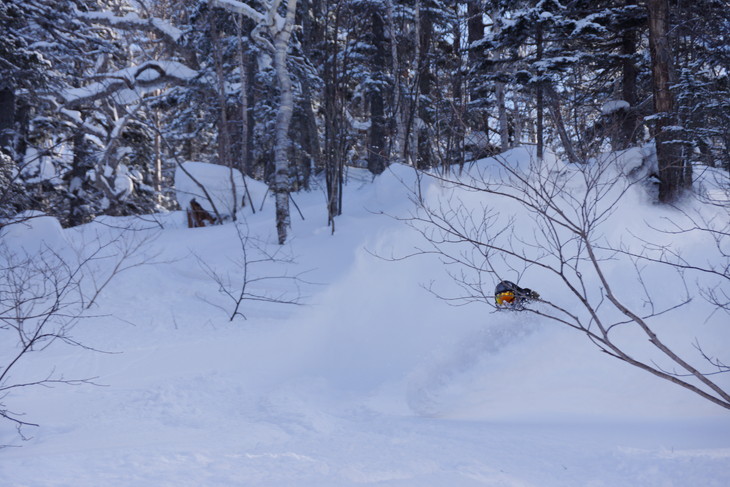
505 286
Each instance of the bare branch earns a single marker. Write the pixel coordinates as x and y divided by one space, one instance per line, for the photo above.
567 207
238 283
44 294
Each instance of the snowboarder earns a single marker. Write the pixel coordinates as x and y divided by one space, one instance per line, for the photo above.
509 295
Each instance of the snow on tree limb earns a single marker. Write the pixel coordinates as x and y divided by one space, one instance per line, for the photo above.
167 32
134 21
239 8
150 74
262 21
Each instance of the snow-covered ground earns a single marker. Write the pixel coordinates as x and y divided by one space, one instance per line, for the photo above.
370 380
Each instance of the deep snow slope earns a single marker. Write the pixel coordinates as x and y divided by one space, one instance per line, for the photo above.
369 380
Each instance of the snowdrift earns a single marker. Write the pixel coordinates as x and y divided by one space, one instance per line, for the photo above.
217 188
373 380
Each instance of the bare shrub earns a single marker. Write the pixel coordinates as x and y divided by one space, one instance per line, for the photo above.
46 289
550 224
247 277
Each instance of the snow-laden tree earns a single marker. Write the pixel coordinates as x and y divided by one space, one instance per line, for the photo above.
562 61
702 83
22 65
122 96
41 58
76 84
101 99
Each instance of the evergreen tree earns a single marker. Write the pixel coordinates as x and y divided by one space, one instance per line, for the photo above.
700 34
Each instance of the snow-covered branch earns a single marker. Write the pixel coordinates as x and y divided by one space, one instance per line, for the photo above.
170 34
564 210
239 8
132 21
148 75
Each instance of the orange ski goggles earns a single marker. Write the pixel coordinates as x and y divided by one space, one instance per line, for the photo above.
506 297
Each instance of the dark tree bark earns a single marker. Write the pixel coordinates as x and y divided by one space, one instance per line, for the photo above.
474 33
7 118
225 146
556 114
376 144
425 82
312 35
334 132
475 26
79 167
458 110
251 67
675 174
540 102
628 85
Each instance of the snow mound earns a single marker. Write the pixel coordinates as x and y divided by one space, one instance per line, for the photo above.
374 380
32 233
225 187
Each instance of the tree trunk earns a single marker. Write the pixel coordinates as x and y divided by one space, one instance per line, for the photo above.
312 35
399 109
475 26
7 118
334 136
283 118
425 22
557 116
251 68
475 33
674 173
629 75
376 144
503 122
157 178
77 175
243 64
225 155
455 154
279 30
540 103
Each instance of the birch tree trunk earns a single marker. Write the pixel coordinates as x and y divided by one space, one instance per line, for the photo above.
279 31
283 119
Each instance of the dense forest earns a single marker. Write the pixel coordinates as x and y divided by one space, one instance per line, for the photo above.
101 100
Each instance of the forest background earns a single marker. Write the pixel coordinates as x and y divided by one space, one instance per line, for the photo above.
100 101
